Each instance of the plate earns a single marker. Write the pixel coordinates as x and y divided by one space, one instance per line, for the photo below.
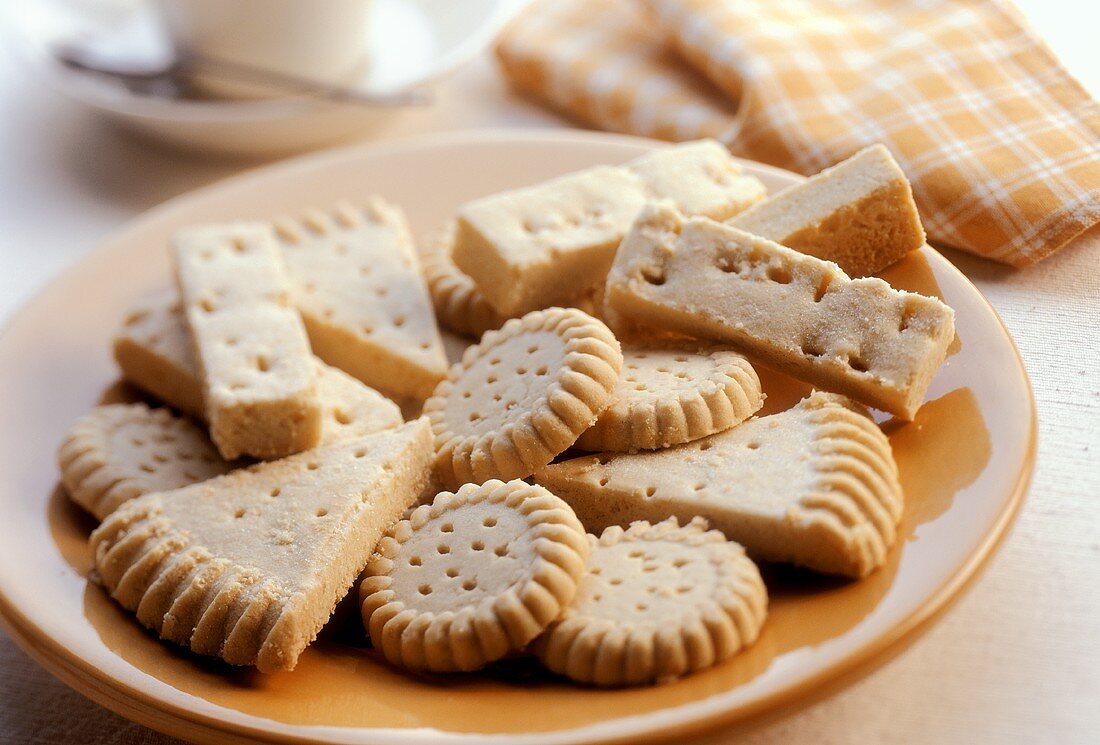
410 43
965 463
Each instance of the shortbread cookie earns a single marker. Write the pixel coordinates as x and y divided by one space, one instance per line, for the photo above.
459 304
259 383
121 451
658 602
815 485
590 59
635 331
472 577
249 566
791 311
153 349
357 283
858 214
671 393
543 245
523 395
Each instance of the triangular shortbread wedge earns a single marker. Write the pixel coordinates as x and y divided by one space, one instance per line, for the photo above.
153 349
793 312
815 485
357 283
859 214
259 383
119 452
249 566
544 245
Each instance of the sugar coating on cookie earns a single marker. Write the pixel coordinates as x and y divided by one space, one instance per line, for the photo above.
121 451
258 377
815 486
793 312
475 575
250 565
859 214
672 393
543 245
459 305
523 395
358 285
657 602
153 350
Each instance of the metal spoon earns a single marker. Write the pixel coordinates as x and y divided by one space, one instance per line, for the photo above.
171 78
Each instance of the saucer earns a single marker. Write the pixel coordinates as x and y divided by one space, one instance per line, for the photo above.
411 44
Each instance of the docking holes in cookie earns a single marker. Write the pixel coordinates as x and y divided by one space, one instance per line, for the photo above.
473 576
658 602
523 395
121 451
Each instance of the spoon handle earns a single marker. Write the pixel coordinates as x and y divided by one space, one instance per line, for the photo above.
244 73
74 58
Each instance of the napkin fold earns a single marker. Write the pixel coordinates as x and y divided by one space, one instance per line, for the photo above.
1001 144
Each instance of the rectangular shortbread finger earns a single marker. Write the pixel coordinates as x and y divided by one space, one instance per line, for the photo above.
858 214
543 245
153 349
259 379
357 283
791 311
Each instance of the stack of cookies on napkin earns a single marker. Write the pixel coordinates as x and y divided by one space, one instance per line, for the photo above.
618 311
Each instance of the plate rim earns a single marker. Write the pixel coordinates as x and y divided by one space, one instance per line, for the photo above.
170 718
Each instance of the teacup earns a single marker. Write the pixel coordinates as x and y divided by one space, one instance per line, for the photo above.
323 41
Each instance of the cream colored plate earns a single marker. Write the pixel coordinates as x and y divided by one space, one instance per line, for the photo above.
965 464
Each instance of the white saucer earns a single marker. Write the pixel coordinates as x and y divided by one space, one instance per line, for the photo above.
411 43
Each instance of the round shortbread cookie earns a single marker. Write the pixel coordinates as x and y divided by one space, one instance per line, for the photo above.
658 602
459 304
669 393
121 451
523 395
473 576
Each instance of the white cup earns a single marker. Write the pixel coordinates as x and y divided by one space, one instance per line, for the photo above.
316 40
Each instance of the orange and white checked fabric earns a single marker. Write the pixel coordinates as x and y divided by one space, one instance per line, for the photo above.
1001 144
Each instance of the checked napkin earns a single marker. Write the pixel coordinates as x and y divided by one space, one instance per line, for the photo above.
1001 144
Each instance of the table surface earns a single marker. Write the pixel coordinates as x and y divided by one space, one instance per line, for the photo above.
1017 659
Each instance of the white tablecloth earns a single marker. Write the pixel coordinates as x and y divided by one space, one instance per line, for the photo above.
1016 660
